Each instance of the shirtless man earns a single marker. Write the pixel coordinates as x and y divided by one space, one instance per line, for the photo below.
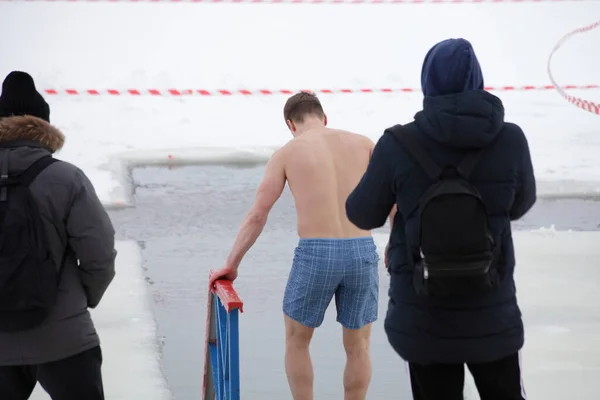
322 166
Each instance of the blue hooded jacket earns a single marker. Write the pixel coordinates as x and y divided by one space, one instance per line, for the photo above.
451 67
457 116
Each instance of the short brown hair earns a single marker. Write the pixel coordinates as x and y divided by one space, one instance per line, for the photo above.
300 105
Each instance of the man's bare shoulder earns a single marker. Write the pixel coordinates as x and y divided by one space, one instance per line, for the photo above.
309 142
357 137
366 140
285 155
286 149
278 155
294 145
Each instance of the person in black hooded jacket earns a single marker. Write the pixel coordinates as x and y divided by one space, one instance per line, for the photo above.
483 330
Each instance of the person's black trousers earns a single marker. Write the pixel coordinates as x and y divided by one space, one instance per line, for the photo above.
75 378
498 380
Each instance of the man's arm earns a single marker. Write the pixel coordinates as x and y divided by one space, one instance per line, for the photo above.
526 196
371 202
92 238
268 193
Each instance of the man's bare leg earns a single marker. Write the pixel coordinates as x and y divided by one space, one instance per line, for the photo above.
357 374
298 365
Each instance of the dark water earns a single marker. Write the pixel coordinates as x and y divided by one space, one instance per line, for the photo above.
186 220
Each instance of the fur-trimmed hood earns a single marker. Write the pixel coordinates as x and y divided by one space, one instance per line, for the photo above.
31 129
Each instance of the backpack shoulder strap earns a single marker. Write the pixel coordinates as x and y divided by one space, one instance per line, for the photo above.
27 177
405 136
467 165
3 175
35 169
4 167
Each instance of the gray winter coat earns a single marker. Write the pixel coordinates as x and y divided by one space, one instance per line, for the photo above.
72 214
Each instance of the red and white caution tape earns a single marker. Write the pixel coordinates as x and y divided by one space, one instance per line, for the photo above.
304 1
593 107
269 92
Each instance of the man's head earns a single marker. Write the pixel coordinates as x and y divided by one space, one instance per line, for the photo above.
303 111
451 67
19 97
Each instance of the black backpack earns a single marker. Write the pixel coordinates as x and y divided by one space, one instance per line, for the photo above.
28 276
457 250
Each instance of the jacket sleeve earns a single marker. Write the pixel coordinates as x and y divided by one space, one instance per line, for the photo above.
92 238
526 196
371 202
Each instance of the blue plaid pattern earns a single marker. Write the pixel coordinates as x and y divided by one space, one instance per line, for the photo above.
324 268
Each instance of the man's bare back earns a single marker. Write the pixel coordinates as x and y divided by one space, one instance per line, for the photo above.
322 167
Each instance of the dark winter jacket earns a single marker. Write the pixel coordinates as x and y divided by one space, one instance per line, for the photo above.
72 215
477 328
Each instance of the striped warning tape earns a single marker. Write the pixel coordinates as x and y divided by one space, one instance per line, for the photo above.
303 1
269 92
581 103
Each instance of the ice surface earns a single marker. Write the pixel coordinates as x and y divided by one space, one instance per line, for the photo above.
558 283
230 46
128 334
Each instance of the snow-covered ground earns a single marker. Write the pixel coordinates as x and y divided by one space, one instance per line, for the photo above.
233 46
124 320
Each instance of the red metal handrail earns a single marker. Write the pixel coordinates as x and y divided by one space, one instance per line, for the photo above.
228 296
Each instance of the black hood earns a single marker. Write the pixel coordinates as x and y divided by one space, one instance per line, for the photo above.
464 120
